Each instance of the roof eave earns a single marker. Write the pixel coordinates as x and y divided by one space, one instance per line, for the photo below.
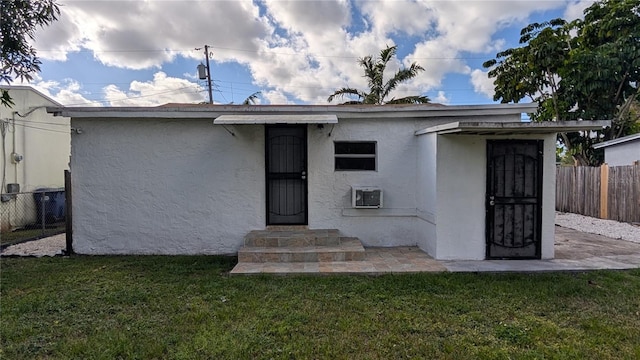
341 111
617 141
509 128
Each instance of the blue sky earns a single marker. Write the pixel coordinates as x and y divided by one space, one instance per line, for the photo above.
142 53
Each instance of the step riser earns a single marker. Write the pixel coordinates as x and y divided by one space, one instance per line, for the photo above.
292 241
284 244
264 257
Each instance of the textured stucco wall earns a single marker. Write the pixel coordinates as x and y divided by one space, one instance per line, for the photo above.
330 190
461 176
169 187
159 186
165 186
44 142
622 154
42 139
426 193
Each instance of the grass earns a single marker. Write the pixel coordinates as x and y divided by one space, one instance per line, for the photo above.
189 308
13 237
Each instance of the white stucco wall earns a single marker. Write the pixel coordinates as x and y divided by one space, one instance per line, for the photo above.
42 139
330 190
165 186
622 154
426 192
185 186
44 143
461 189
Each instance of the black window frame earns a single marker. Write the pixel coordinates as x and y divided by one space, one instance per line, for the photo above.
347 155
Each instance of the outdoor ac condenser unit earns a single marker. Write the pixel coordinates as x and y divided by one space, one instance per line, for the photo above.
366 197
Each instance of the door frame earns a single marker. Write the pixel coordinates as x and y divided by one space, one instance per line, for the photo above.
490 209
304 129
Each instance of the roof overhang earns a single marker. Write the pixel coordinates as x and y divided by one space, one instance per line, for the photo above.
275 119
617 141
512 128
208 111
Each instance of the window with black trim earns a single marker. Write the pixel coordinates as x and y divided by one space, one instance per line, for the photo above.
355 155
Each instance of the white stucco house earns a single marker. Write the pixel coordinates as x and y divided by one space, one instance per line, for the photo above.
35 151
621 151
460 182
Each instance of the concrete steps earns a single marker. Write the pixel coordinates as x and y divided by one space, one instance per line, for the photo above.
299 244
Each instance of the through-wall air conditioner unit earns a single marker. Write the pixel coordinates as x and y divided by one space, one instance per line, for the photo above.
366 197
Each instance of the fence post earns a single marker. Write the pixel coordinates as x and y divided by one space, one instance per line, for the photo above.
68 214
604 191
43 214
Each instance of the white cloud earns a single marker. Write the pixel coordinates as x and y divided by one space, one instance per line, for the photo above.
301 50
145 34
309 17
67 93
482 84
575 9
441 98
412 17
276 98
161 90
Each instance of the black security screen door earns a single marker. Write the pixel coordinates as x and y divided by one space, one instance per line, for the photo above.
514 203
286 163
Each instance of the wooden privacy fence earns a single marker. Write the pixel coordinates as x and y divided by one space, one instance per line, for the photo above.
603 192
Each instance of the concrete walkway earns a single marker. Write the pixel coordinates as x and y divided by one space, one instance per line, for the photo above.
574 251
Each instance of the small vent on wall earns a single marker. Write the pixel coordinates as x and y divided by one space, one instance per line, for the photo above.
13 188
366 197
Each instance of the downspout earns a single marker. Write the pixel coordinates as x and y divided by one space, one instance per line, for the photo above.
13 151
4 125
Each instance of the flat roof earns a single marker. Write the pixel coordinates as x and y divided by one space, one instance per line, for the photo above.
617 141
208 111
508 128
275 119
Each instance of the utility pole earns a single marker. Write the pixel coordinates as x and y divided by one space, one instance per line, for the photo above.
201 74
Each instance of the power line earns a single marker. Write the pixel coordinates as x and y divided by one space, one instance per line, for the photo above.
44 129
251 51
139 96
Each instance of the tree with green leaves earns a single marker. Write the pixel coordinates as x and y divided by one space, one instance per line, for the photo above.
587 69
19 21
379 90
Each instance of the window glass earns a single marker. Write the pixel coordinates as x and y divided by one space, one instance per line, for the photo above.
355 148
355 155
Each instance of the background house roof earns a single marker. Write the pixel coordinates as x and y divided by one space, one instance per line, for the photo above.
617 141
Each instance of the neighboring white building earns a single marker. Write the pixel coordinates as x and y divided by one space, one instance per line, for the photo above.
37 145
196 179
35 151
621 151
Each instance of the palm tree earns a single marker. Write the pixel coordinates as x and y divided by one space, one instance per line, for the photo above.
378 90
251 100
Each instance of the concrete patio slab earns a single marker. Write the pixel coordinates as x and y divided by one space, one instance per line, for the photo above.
574 251
377 261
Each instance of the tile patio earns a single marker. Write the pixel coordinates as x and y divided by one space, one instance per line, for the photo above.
575 251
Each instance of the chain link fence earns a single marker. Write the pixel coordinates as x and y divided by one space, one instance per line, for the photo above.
31 215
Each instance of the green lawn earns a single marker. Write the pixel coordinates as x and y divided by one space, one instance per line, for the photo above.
189 308
13 237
